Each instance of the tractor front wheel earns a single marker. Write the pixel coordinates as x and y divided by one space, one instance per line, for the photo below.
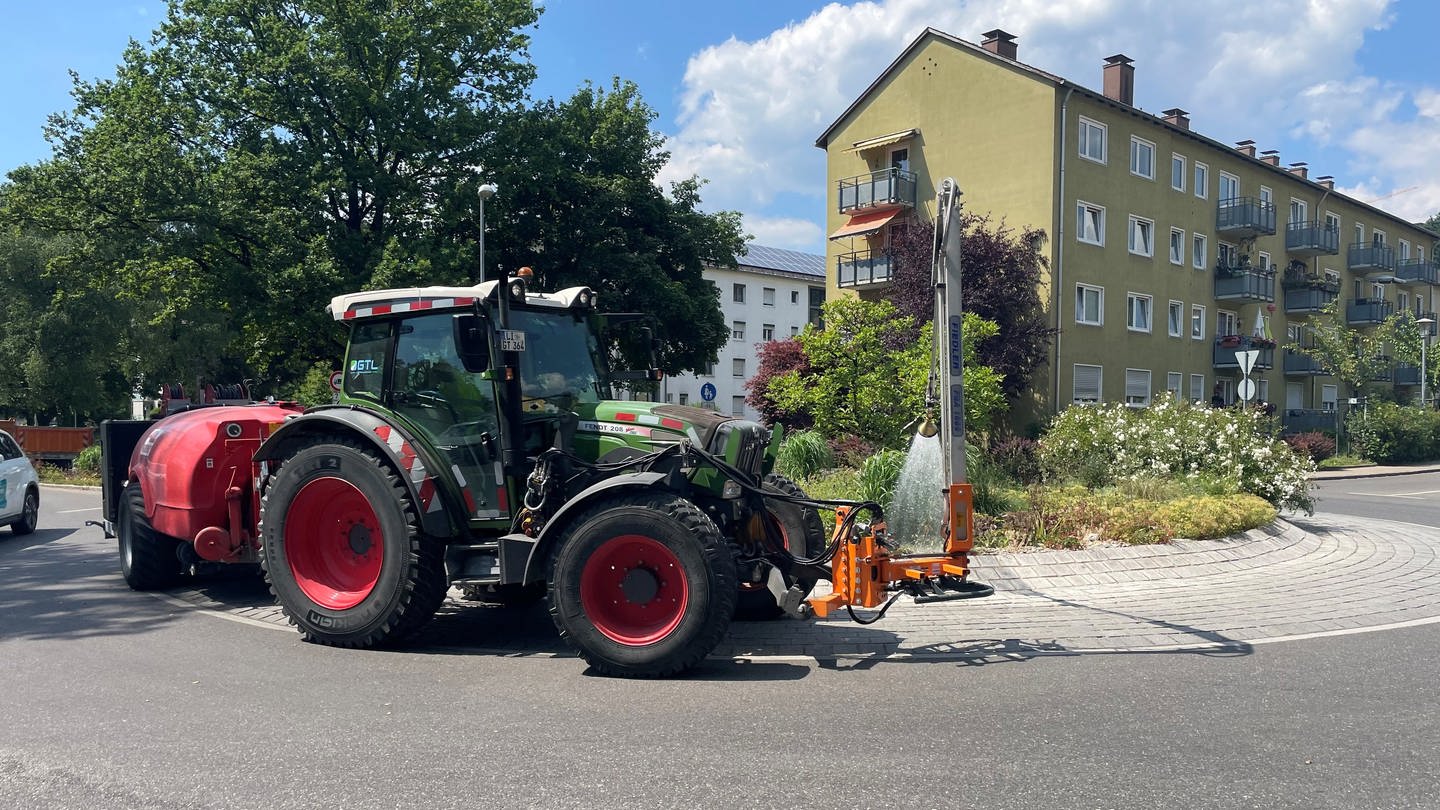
342 551
148 559
803 534
643 585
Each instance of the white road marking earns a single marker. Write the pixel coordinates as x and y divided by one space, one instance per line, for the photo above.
1412 495
73 511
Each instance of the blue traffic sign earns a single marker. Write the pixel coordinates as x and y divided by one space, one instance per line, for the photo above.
707 392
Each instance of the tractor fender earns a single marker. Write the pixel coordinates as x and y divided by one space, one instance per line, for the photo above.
416 464
541 546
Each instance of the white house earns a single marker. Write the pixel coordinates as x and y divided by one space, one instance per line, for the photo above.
772 294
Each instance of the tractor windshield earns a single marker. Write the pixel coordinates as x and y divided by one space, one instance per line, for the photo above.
561 355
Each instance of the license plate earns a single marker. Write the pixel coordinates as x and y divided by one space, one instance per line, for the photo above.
512 340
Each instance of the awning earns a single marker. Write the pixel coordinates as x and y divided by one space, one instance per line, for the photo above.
883 140
868 222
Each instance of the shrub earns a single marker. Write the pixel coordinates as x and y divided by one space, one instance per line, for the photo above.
878 476
1314 444
803 454
88 461
1203 518
1387 433
1071 517
1017 457
851 451
1100 445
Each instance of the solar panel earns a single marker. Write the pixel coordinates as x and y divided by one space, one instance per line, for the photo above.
772 258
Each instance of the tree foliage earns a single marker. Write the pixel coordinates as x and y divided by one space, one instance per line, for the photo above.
1000 274
1358 358
774 358
855 386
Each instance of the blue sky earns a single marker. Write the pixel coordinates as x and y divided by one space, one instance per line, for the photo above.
743 88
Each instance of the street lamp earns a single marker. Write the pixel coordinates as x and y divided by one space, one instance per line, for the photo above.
485 191
1424 341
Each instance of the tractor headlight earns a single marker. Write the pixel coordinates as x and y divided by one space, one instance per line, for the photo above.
517 289
586 298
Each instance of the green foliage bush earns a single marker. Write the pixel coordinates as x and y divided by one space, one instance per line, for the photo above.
1100 445
878 476
1387 433
803 454
1017 457
1072 516
1201 517
88 461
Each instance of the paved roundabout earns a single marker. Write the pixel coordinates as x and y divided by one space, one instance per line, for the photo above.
1320 575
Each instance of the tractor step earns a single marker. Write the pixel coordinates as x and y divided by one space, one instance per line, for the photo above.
947 589
473 563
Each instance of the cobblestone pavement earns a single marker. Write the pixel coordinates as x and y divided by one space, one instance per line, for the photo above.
1316 575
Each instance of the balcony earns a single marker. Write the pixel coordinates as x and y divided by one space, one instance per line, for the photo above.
1302 365
1417 271
1311 238
1306 293
1227 345
864 268
1304 420
887 188
1406 374
1372 260
1244 217
1243 282
1367 311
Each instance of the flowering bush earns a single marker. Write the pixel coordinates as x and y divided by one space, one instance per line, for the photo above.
1107 443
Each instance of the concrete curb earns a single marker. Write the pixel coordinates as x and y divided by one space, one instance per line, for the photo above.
1371 472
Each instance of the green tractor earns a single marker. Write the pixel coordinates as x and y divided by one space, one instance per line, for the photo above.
476 443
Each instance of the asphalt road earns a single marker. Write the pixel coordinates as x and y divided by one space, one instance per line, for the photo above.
1406 498
117 700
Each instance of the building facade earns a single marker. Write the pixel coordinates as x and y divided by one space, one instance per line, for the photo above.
1168 251
771 294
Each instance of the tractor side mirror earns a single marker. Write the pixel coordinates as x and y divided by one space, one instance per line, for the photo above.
472 343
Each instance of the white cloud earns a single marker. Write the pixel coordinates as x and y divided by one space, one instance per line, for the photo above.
783 232
1283 73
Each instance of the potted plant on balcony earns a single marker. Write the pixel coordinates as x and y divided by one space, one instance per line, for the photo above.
1228 341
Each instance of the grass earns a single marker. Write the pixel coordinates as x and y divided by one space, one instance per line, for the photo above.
51 474
1341 462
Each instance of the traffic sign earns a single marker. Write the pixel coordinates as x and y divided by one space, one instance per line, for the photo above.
1246 389
707 392
1247 360
335 378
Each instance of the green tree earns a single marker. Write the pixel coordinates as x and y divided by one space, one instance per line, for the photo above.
856 384
1359 358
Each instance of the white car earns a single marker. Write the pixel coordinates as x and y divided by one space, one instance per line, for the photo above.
19 488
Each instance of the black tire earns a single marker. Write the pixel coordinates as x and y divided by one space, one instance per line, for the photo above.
342 551
795 521
29 513
148 559
515 596
625 638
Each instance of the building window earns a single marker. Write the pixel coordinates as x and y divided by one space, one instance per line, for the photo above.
1092 140
1197 322
737 330
1226 323
1137 387
1137 309
1377 238
1177 246
1177 172
706 370
1202 180
1263 391
1403 250
1089 304
1229 187
1142 158
738 293
1227 255
1264 261
794 296
767 296
1333 277
1266 195
1173 381
1198 251
684 399
737 367
1359 234
1332 223
1175 320
1090 223
1085 389
817 301
737 406
1197 387
767 331
1142 236
1298 210
794 331
1329 395
669 398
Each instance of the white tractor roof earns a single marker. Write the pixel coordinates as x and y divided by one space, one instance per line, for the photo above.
411 299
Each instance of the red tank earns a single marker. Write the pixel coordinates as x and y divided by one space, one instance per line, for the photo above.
195 471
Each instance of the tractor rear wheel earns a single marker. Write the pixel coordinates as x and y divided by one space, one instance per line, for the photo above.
148 559
803 534
642 585
342 551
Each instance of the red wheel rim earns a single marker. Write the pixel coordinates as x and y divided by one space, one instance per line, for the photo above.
784 543
633 589
333 543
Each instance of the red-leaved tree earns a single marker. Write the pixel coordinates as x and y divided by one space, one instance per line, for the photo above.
776 357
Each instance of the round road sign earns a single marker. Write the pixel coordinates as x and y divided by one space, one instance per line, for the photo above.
1246 389
707 392
335 378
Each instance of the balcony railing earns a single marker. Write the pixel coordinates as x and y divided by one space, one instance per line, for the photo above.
1304 420
1311 238
1245 217
863 268
1242 281
1417 271
1300 365
1372 259
887 187
1227 345
1306 293
1406 374
1366 311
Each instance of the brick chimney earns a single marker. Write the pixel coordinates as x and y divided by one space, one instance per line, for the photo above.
1301 169
1246 148
1178 117
1271 156
1119 76
1327 181
1000 43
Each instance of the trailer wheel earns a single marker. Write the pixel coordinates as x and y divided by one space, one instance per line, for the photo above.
803 533
341 548
29 514
148 559
642 585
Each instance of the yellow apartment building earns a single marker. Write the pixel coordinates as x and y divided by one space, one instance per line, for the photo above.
1168 251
